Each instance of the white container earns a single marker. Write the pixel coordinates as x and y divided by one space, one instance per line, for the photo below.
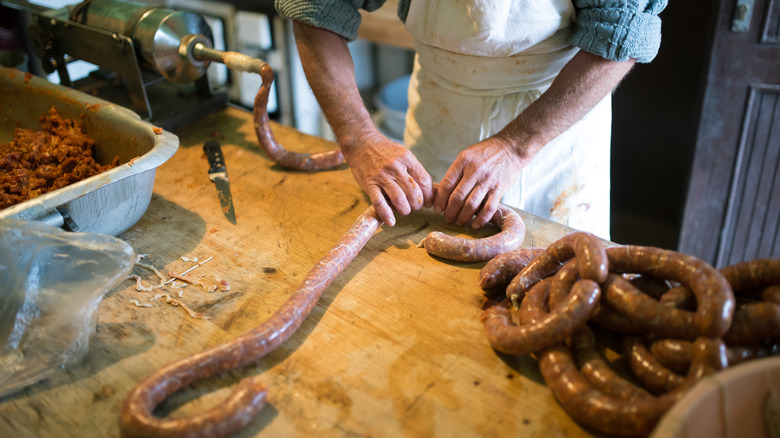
392 102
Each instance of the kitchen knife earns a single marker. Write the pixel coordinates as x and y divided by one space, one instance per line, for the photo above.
218 175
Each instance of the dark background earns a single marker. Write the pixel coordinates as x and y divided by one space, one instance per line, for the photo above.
655 116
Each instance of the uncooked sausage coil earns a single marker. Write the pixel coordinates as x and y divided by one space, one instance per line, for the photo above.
136 418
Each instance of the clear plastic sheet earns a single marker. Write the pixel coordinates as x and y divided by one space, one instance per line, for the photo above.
51 284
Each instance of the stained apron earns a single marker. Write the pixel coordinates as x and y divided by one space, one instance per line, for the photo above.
478 65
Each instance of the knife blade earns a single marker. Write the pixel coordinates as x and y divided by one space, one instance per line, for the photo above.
218 175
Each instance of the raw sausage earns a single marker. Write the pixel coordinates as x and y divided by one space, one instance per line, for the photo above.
604 315
752 274
611 415
651 373
136 418
771 294
281 156
501 269
562 282
650 286
680 298
714 297
592 261
530 337
480 250
646 313
593 366
754 323
676 354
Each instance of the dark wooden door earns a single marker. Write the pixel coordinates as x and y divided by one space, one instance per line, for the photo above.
732 210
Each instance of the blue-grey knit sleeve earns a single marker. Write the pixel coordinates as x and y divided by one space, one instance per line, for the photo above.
338 16
619 29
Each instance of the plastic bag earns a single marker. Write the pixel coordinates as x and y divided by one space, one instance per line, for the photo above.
51 284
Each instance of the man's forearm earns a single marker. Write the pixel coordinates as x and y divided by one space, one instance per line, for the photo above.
581 84
330 71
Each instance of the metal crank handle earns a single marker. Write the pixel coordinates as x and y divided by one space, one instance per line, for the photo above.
197 49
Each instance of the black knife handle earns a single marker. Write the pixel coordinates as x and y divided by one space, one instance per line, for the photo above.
214 155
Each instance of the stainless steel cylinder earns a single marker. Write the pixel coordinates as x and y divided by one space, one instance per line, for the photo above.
156 33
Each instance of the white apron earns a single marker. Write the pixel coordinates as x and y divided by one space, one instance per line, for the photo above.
478 65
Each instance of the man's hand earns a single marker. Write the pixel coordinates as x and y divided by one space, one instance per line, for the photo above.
476 181
482 173
387 171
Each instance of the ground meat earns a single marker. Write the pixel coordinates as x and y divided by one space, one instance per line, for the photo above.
37 162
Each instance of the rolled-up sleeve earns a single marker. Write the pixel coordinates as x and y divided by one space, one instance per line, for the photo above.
619 29
338 16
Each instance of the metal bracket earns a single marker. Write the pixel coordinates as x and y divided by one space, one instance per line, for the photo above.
742 15
68 223
109 50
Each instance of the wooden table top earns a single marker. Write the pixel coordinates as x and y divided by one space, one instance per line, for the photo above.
394 347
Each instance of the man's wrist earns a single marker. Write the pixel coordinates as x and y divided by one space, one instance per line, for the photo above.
351 137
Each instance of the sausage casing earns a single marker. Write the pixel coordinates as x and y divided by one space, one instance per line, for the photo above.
136 417
275 151
480 250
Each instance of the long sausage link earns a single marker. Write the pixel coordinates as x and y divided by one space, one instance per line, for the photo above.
676 354
679 297
610 319
573 313
752 274
714 296
589 250
650 372
593 366
771 294
501 269
562 282
743 278
480 250
534 309
604 315
137 420
611 415
754 323
653 287
649 315
277 152
583 343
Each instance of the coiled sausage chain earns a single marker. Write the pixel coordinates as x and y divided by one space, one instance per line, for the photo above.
687 323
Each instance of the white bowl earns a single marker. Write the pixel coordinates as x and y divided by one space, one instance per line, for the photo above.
740 401
392 102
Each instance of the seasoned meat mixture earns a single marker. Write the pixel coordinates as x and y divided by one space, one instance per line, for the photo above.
37 162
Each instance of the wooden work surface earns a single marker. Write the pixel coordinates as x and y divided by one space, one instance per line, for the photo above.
394 347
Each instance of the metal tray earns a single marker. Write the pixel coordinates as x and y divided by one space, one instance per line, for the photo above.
107 203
